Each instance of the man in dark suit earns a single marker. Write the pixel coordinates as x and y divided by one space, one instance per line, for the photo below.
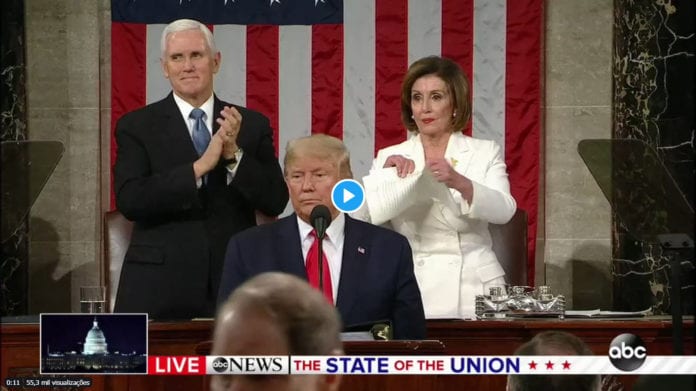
190 171
368 270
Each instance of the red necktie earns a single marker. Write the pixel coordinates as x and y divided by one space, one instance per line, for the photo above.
312 265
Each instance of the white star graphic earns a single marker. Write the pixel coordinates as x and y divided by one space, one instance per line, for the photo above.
319 1
274 1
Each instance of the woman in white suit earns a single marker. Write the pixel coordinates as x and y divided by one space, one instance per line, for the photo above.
440 189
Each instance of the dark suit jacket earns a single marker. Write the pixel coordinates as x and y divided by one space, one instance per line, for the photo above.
172 267
376 283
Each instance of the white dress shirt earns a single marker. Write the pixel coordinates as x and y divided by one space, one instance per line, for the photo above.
332 246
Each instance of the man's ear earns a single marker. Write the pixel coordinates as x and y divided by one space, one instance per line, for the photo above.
164 68
217 60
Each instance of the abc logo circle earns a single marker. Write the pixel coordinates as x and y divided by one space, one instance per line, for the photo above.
627 352
220 364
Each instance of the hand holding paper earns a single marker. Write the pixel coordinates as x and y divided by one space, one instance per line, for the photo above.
388 195
446 174
404 165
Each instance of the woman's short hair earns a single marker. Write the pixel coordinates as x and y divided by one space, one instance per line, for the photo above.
319 146
183 25
456 82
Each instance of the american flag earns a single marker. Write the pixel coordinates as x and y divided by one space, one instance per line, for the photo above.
335 66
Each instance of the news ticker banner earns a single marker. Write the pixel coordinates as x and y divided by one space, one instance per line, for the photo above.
413 365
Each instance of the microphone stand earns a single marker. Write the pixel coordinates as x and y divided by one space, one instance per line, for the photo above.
320 218
320 256
671 244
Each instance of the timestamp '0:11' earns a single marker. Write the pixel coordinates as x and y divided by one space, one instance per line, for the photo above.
11 382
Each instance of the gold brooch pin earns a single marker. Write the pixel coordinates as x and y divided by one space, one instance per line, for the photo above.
453 162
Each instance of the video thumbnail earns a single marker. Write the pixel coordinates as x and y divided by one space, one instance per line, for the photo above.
89 343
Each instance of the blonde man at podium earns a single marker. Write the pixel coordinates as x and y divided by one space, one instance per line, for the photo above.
367 271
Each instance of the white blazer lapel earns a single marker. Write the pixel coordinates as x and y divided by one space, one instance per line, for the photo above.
458 152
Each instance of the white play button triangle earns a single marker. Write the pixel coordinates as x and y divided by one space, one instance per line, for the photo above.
347 196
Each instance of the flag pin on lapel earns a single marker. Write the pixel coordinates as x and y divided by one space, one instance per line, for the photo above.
361 250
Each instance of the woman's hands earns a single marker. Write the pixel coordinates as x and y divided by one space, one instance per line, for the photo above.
404 165
445 173
442 171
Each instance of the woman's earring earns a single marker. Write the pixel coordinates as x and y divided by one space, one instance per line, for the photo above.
454 114
412 116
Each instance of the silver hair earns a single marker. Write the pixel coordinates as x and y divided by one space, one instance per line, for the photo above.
183 25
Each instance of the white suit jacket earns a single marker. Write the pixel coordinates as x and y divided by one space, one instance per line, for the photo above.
450 238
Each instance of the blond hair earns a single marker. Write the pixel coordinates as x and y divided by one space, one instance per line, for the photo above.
319 146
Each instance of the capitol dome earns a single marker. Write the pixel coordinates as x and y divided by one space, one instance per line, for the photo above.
95 342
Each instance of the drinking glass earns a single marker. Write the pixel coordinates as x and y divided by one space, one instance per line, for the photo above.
92 299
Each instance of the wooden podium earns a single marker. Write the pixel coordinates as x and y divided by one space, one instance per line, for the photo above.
20 350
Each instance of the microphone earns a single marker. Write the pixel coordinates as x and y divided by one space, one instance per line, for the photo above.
320 219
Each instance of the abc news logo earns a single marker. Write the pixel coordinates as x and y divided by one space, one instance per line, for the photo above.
627 352
248 365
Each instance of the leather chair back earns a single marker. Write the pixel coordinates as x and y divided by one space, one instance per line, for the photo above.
117 236
510 247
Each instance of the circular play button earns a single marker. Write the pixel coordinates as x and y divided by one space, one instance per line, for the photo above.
348 195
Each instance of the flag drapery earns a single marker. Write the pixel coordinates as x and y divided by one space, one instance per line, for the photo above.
335 67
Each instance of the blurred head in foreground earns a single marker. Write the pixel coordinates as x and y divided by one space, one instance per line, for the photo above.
276 314
554 343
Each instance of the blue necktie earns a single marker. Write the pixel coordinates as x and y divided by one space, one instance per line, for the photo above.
201 135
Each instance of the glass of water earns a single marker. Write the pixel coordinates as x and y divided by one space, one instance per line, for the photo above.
92 299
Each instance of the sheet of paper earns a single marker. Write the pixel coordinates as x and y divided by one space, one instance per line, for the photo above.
387 195
357 336
429 186
606 314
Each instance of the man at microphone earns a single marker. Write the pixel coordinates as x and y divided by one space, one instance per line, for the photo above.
367 271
